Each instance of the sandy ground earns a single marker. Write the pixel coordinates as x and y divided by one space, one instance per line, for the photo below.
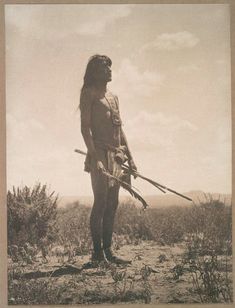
98 285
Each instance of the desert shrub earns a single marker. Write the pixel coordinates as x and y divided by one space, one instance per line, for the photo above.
31 215
163 225
210 283
131 220
211 276
168 224
207 225
74 228
209 245
210 228
33 292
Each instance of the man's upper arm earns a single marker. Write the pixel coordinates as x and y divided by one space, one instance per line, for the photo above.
85 107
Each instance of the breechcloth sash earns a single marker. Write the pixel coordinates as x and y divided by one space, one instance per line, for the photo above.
113 165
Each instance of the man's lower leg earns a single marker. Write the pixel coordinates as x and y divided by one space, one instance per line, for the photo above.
107 240
96 234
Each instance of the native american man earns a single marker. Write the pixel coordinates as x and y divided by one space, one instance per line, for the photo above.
107 147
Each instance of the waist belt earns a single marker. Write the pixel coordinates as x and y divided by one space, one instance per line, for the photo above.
120 151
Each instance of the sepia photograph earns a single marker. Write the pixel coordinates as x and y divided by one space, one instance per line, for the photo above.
118 154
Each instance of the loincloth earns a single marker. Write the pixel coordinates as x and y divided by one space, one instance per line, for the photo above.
114 157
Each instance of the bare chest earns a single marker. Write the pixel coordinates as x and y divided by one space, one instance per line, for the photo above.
105 108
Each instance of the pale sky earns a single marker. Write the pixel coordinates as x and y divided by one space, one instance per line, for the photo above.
171 72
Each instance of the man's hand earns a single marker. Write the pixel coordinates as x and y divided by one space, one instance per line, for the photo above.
100 166
132 166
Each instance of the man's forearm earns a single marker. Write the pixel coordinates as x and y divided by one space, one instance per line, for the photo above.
124 142
89 142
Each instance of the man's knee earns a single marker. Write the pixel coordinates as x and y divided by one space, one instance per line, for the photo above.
113 196
98 208
100 201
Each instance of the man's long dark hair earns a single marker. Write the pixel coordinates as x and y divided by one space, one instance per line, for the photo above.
91 77
92 70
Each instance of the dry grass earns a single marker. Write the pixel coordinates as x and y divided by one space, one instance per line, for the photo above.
205 229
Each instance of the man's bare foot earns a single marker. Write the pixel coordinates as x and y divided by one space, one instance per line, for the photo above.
114 259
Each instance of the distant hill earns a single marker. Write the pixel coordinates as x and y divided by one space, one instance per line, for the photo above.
154 200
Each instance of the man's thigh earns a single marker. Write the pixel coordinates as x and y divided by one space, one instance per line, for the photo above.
99 181
99 184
